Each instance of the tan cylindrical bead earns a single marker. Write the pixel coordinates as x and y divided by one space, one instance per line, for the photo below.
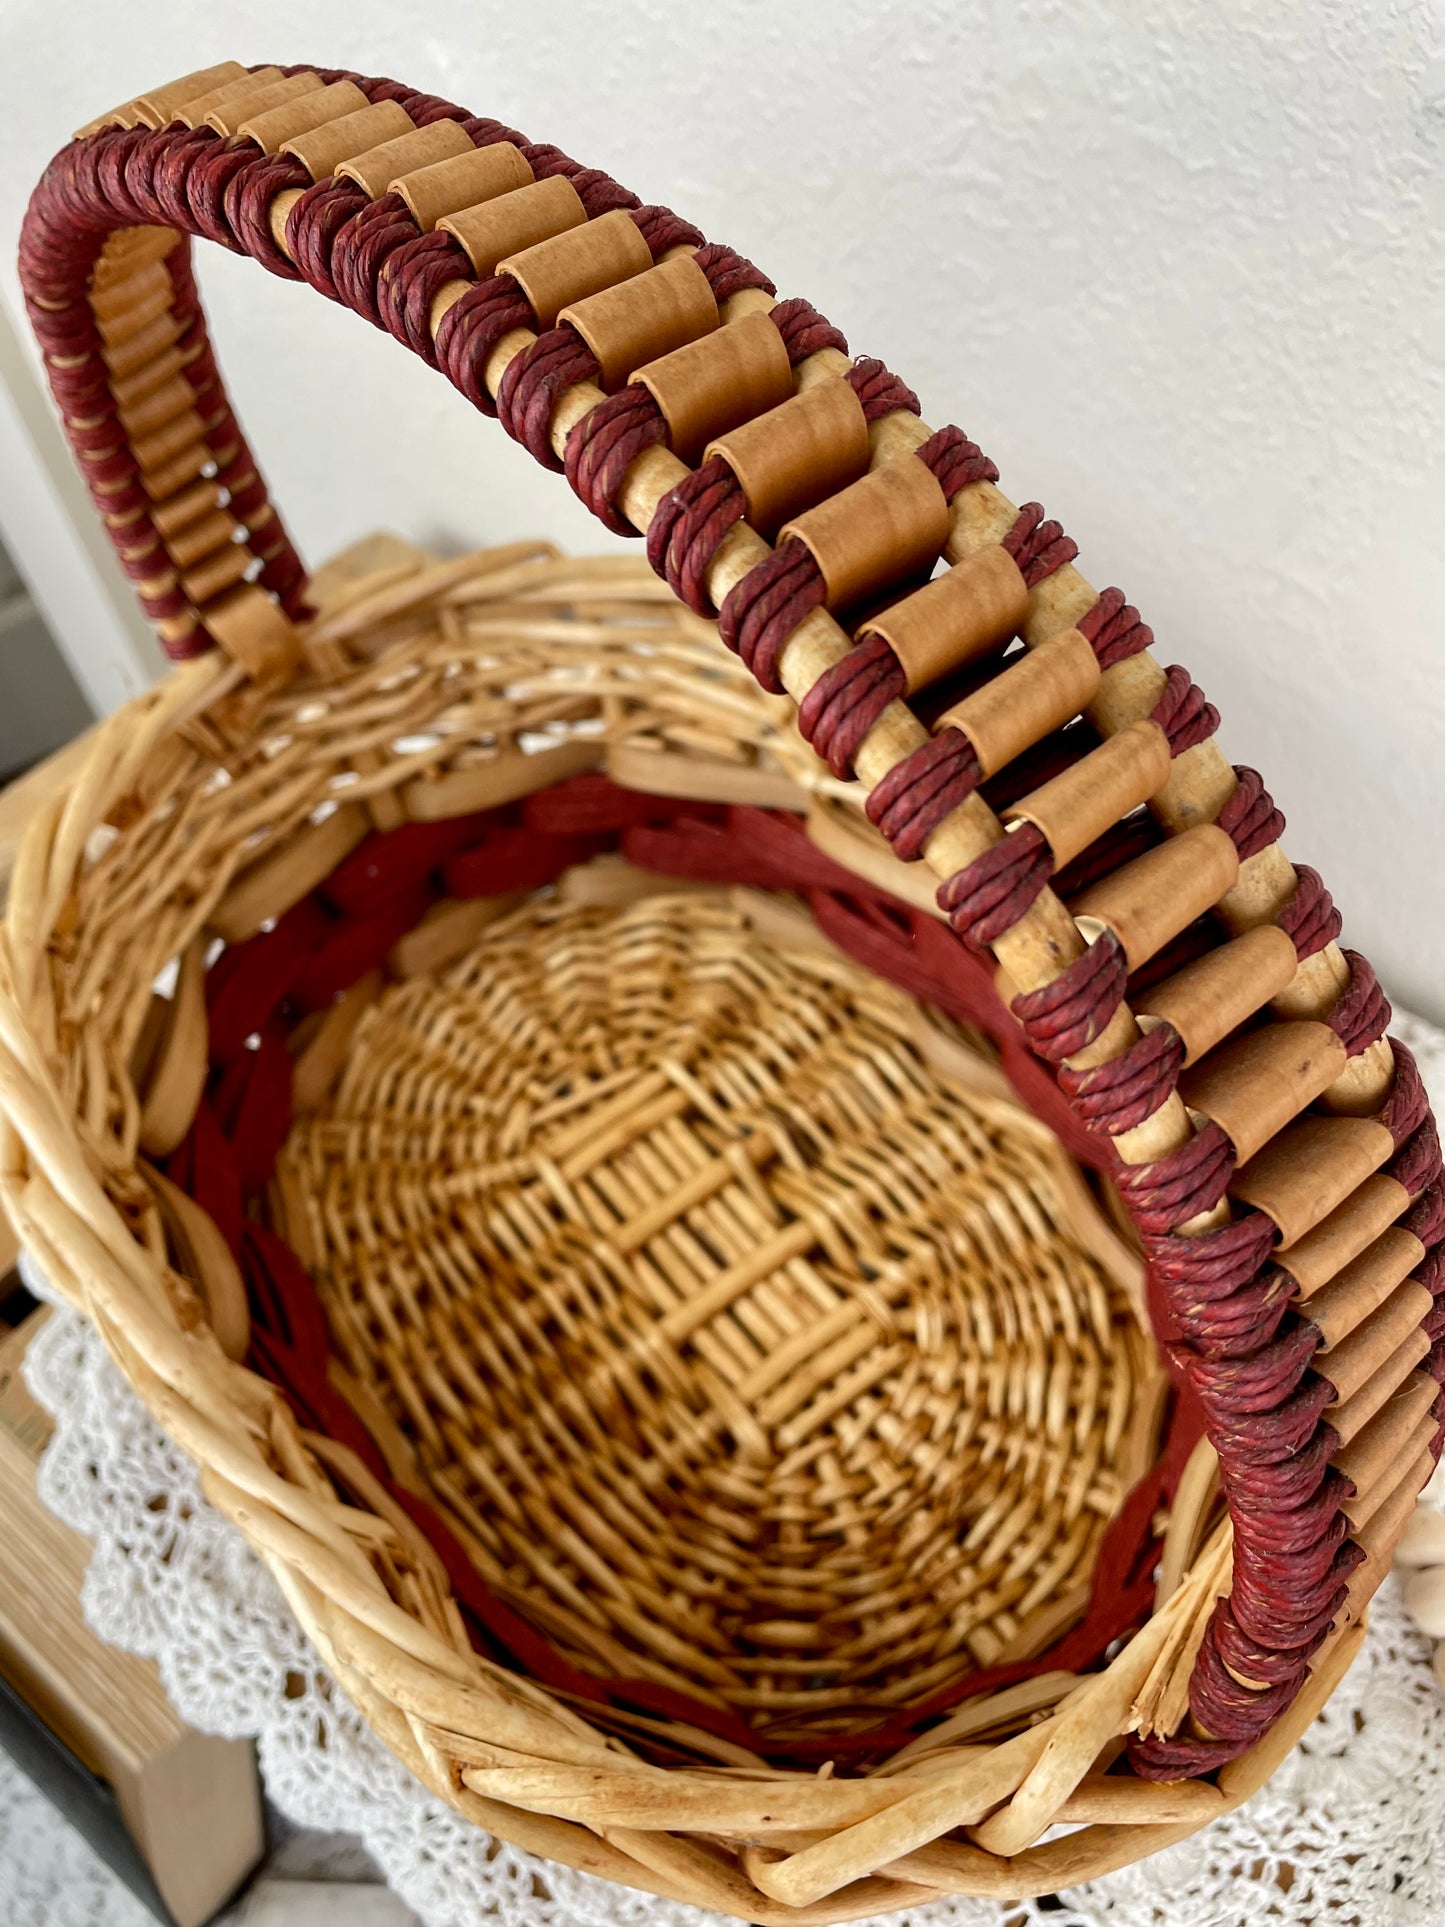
194 543
576 263
126 357
228 116
1254 1086
145 381
461 181
1349 1419
192 505
1033 695
1350 1297
1208 999
1098 791
1360 1353
379 166
254 631
188 113
113 298
1311 1167
277 124
155 451
126 319
1377 1539
971 610
163 482
154 410
219 571
323 150
1376 1449
153 109
888 526
799 453
1152 899
515 225
1350 1229
708 386
1373 1494
643 317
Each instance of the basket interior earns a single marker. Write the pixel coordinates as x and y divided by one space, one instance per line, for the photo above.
746 1340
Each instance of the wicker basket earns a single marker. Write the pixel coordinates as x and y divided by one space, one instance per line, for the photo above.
521 1120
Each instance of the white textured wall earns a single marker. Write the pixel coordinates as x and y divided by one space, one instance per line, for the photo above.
1180 268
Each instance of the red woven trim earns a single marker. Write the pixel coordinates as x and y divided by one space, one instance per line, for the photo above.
1362 1013
1408 1105
762 611
1115 629
729 273
804 331
604 445
955 462
534 379
470 330
687 526
1310 919
920 791
1038 547
880 392
847 700
1169 1191
410 279
1249 815
1117 1096
663 230
988 898
1064 1016
1183 712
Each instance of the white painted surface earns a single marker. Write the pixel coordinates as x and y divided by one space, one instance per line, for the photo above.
1180 269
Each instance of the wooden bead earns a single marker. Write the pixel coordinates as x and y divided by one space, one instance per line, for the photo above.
191 505
461 181
323 149
227 117
711 385
1149 901
514 227
971 610
163 482
197 540
1209 998
1350 1418
1254 1086
1310 1168
277 124
126 357
188 113
887 527
1422 1543
1378 1536
1355 1357
1373 1496
1034 694
1349 1298
255 631
153 108
379 166
153 452
1425 1600
799 453
643 317
1101 789
1377 1450
217 572
154 410
1349 1229
578 262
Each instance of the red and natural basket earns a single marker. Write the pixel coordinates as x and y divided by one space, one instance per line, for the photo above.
520 1122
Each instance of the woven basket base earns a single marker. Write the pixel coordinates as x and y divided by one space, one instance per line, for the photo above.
745 1347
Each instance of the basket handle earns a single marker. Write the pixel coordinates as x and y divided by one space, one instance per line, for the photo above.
592 326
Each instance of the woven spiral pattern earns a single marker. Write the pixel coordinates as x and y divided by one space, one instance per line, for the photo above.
898 1430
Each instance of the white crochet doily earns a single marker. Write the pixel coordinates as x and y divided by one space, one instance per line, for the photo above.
1349 1829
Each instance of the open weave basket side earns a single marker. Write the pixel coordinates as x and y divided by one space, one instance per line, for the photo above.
1274 1151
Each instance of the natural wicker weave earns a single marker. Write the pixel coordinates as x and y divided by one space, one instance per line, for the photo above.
671 1365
